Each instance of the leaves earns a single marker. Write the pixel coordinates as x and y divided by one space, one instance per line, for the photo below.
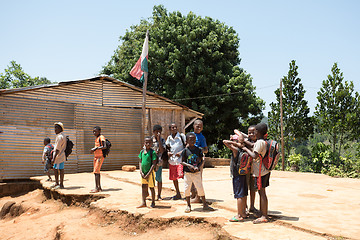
15 77
337 108
298 125
192 57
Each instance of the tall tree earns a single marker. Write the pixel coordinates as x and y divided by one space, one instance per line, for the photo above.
297 123
192 60
15 77
337 108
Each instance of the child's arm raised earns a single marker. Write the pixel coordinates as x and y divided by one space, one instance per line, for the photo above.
252 154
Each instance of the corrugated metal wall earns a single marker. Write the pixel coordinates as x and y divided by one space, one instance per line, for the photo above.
27 117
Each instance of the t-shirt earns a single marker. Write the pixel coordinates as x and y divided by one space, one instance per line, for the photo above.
200 140
47 151
192 156
234 163
146 160
260 148
156 145
98 152
60 144
176 145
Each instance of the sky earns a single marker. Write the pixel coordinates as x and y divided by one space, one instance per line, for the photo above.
72 40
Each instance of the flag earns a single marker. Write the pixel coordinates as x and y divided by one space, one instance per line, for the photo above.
141 65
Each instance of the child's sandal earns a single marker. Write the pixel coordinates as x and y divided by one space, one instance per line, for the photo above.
260 220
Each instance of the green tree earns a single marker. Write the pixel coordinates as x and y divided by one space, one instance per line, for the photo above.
190 59
15 77
337 108
297 124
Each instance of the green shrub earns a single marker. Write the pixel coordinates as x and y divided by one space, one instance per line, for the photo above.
216 152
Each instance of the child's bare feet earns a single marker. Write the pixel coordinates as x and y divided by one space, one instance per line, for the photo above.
141 206
188 209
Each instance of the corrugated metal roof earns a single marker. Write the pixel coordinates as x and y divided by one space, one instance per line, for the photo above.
100 77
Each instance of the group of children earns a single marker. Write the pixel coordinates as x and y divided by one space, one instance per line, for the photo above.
256 177
185 157
54 156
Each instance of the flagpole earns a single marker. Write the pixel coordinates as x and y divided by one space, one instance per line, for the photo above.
143 125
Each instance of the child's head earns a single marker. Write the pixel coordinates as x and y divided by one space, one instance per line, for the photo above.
173 128
58 127
261 130
157 129
191 139
97 131
46 141
148 143
251 133
198 126
237 138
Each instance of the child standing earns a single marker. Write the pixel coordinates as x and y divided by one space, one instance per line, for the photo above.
159 147
176 144
147 163
100 144
240 186
261 179
47 157
249 141
191 159
200 143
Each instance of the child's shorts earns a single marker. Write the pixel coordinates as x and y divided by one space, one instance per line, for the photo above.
195 178
265 181
150 181
251 182
158 174
98 161
240 186
176 172
59 166
48 165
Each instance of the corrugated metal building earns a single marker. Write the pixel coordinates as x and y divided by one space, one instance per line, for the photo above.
27 116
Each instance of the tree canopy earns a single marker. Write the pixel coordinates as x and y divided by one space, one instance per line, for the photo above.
298 125
195 61
337 108
15 77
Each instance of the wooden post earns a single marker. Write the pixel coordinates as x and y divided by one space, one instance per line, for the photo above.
143 121
144 108
281 128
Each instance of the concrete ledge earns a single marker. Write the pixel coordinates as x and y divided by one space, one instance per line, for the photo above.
12 188
213 162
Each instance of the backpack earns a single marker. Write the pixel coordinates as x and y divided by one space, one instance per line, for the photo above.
270 159
107 149
51 153
69 147
242 163
272 155
182 140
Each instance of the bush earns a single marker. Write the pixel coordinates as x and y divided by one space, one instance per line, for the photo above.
348 168
216 152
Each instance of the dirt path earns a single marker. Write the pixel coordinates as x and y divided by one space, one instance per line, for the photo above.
301 206
50 219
